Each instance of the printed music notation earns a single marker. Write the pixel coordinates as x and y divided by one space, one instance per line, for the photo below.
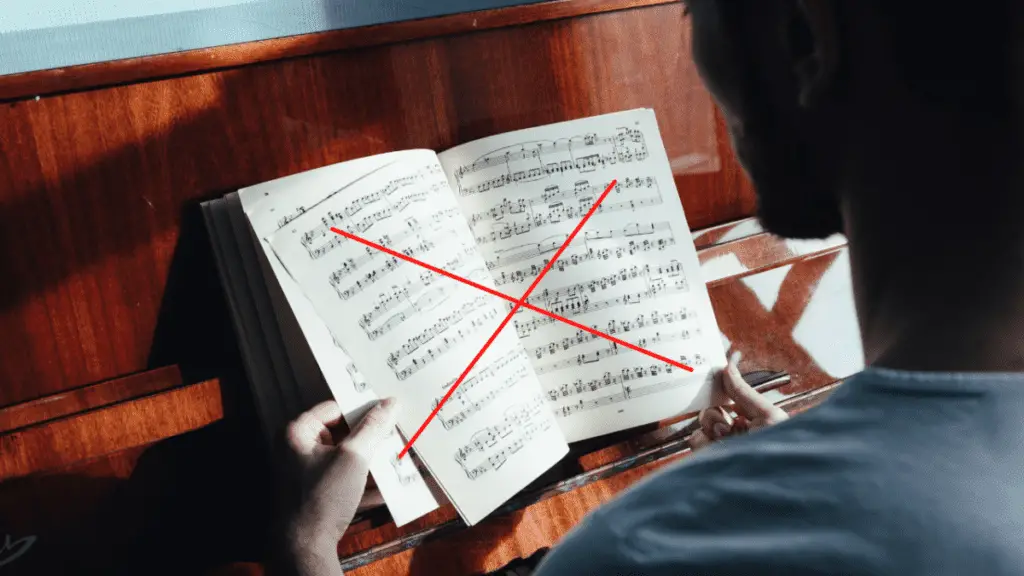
405 470
431 299
574 257
553 243
438 328
358 382
582 190
626 375
397 295
521 423
563 213
284 220
583 305
567 261
352 265
628 393
471 407
614 327
536 160
320 241
391 264
612 349
446 344
463 395
671 270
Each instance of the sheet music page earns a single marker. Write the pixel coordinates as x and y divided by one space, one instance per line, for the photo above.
632 272
412 331
311 348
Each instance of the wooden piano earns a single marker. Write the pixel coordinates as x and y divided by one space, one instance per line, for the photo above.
127 432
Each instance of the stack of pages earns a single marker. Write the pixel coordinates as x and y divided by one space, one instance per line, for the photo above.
319 315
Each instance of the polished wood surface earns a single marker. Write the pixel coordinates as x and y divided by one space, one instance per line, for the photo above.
45 82
108 273
64 441
95 186
88 398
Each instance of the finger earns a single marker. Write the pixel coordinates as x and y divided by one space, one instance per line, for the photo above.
715 423
329 412
749 402
698 440
377 425
305 433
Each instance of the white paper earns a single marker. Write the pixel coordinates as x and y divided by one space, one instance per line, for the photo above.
311 348
632 271
412 332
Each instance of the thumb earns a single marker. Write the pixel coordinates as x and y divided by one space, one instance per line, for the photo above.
378 424
344 480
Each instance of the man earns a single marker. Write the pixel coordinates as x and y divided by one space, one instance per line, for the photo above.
899 124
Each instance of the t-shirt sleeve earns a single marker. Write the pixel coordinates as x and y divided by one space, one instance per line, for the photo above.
726 512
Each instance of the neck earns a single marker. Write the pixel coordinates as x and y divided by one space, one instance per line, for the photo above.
937 261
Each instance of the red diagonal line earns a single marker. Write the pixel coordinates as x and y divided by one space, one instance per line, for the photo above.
521 302
505 322
512 299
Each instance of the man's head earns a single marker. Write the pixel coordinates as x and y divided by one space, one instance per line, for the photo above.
826 99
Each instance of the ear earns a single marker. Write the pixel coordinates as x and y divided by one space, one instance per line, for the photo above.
816 62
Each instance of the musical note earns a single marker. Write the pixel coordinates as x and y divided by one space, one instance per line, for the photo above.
613 327
320 240
391 264
500 441
628 393
522 196
577 255
611 350
608 379
539 160
450 420
582 190
577 305
601 283
560 213
447 342
405 470
358 382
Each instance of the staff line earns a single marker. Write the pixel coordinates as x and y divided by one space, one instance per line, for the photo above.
518 303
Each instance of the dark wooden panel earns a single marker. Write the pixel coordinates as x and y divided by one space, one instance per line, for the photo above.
44 82
65 441
88 398
105 275
181 505
94 185
765 335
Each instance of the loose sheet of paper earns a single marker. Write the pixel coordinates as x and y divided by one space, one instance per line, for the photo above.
412 332
633 271
311 347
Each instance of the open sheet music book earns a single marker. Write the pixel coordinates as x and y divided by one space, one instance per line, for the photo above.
312 306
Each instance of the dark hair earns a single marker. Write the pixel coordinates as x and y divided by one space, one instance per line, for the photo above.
954 57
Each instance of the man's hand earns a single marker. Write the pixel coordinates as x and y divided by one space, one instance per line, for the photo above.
753 410
326 482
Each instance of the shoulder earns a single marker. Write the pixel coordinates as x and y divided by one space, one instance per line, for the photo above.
769 498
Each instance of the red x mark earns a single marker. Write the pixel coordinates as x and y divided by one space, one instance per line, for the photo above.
519 303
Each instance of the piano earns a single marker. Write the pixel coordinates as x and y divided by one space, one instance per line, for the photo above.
127 433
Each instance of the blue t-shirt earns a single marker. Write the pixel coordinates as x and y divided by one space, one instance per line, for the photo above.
896 473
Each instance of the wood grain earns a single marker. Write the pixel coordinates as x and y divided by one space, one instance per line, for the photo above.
65 441
107 269
97 189
88 398
497 541
45 82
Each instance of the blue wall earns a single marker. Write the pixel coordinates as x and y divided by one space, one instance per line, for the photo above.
42 34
